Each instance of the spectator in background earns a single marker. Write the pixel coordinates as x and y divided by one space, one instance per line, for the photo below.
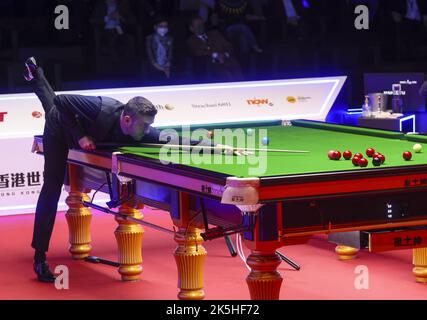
202 8
115 17
289 18
145 14
213 50
159 46
168 8
205 8
235 14
410 18
191 8
412 13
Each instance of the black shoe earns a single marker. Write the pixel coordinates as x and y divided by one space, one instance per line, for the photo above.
41 268
30 68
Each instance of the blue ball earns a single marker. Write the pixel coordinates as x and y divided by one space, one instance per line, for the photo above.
265 141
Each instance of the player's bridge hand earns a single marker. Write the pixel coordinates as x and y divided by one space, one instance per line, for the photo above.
87 143
229 150
242 152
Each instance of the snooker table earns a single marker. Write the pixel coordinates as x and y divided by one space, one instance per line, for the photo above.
297 196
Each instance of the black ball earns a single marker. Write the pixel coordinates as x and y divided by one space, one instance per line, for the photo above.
376 162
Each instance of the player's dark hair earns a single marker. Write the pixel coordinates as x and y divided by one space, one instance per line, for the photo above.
139 106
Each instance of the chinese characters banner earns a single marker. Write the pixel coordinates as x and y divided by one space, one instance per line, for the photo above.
21 177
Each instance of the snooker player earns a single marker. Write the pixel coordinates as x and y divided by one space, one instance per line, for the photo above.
76 121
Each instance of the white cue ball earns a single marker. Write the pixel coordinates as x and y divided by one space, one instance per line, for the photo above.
417 148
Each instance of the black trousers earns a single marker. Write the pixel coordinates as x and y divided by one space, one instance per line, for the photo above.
55 151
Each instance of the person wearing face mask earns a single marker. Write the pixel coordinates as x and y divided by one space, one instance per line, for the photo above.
211 49
77 121
159 46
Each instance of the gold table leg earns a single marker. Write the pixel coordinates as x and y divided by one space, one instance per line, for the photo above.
346 253
420 265
129 241
78 218
264 281
190 259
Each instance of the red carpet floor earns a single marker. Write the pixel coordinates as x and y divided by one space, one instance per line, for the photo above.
322 276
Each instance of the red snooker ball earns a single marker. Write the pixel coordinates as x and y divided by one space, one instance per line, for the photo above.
363 162
331 154
370 152
407 155
375 155
359 155
381 157
347 155
355 161
336 155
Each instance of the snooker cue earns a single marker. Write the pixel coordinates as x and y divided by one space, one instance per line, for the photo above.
288 261
128 218
221 148
94 259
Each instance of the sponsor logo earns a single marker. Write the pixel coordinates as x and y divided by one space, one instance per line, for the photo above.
20 184
20 179
259 102
211 105
2 114
291 99
304 99
167 107
36 114
391 93
409 82
212 189
301 99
